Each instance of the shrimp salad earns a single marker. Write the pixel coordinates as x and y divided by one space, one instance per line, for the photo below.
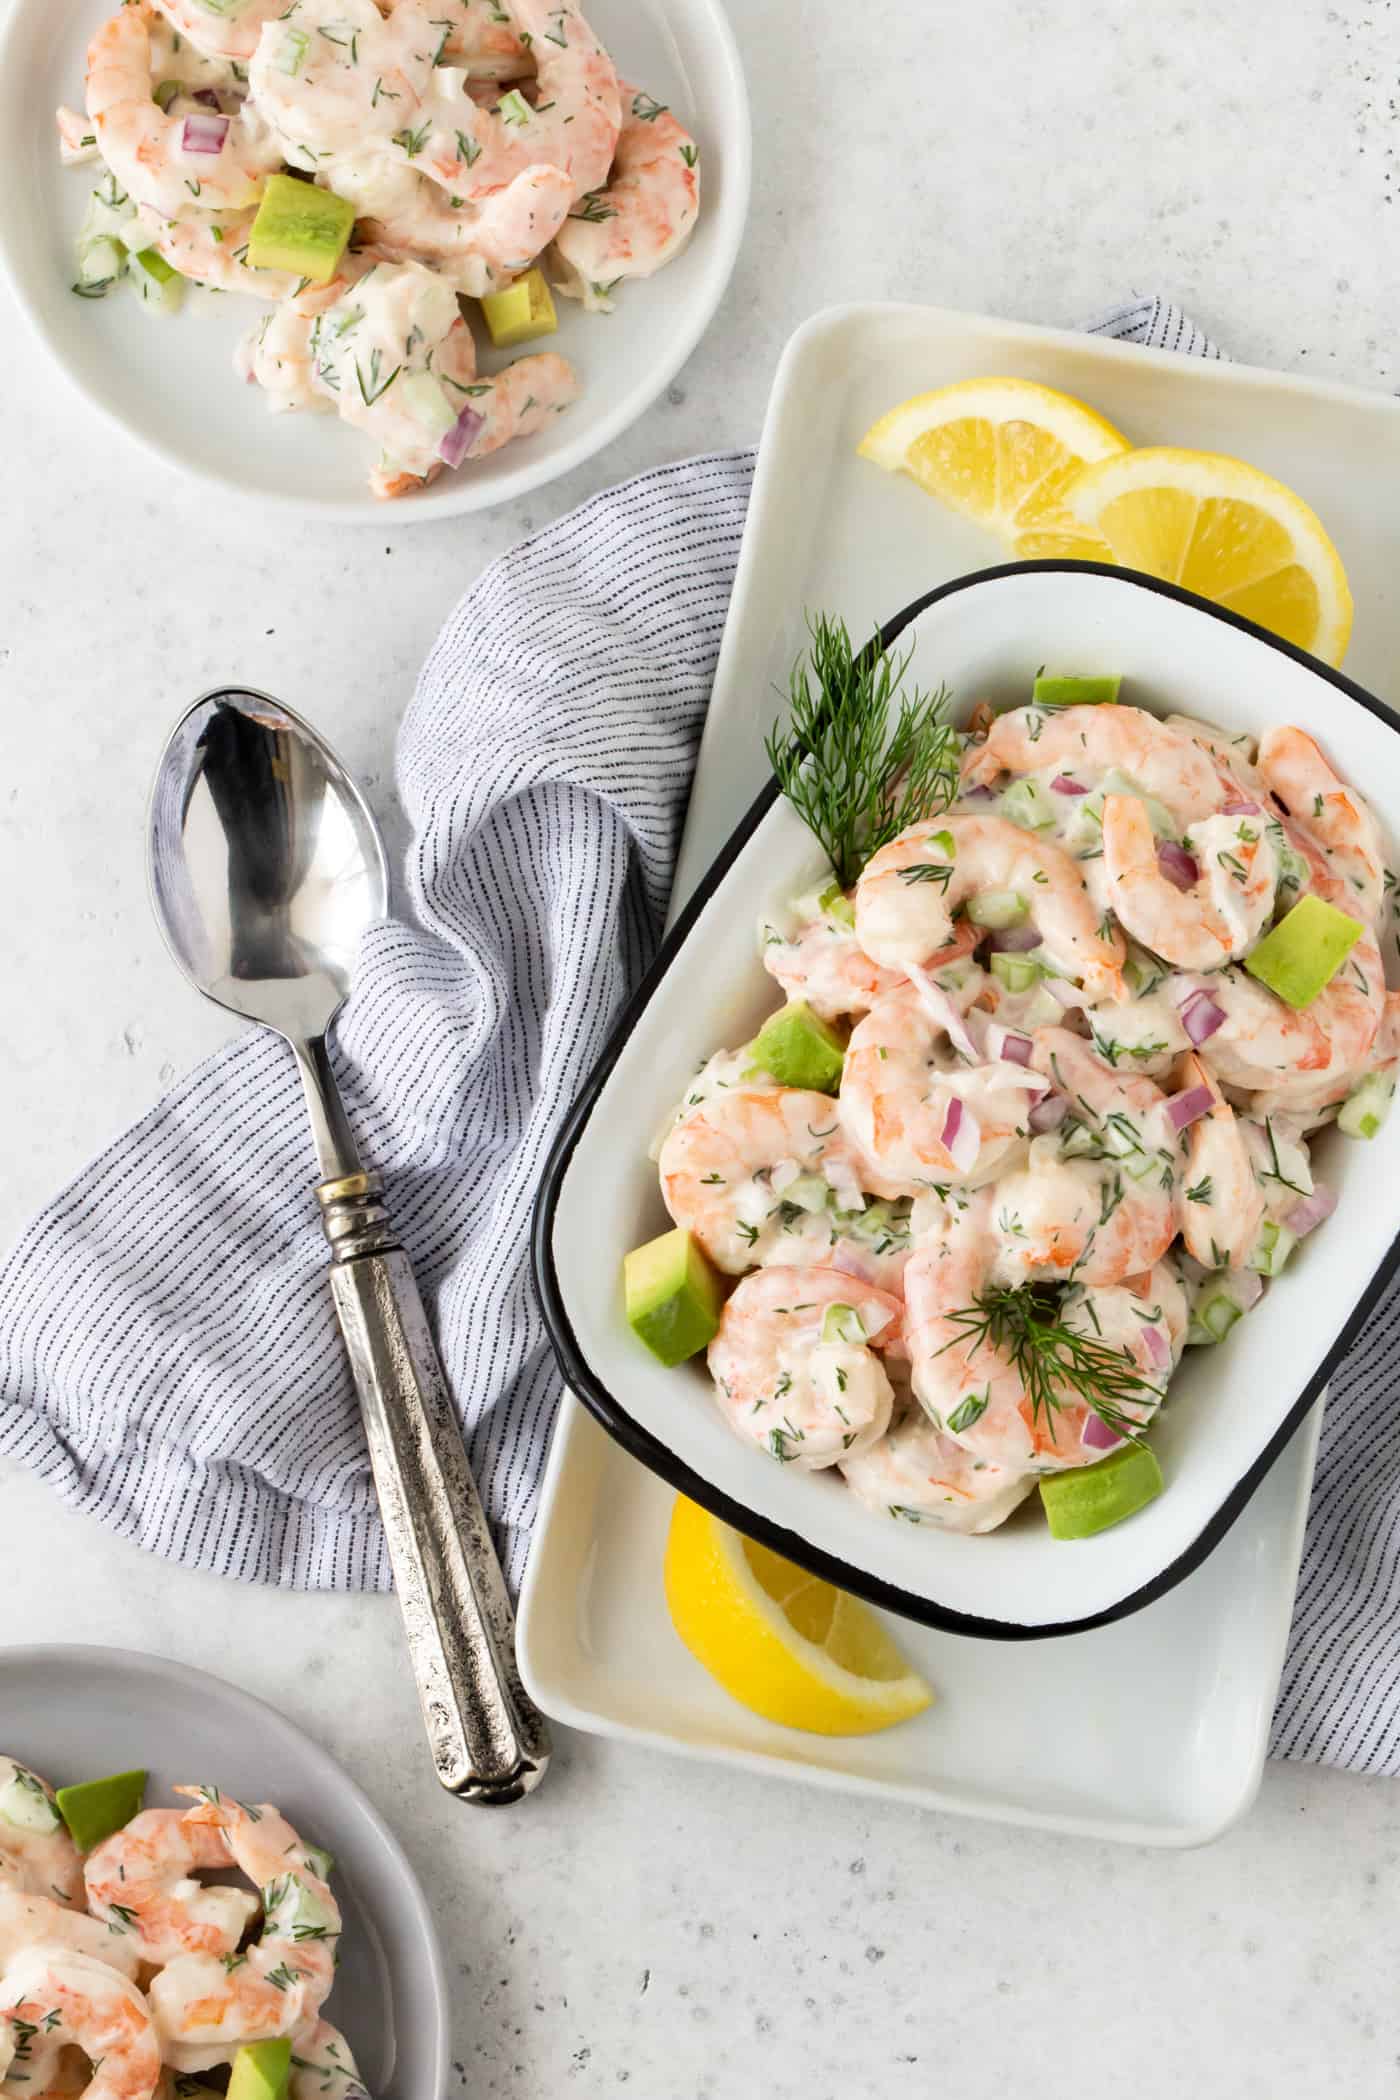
379 174
124 1976
1038 1112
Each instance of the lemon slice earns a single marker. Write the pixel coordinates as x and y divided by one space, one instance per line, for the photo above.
1003 452
1220 527
781 1642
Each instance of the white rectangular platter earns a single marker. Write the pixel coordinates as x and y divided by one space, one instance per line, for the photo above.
1153 1730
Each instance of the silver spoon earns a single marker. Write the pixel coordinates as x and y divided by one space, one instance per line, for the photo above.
266 867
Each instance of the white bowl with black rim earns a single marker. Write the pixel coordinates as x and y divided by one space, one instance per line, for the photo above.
1231 1408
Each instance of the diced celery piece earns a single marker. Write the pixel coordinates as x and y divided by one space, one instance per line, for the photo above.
291 51
1017 972
842 1323
165 94
160 287
1367 1106
1213 1318
100 263
997 909
423 398
809 1192
1052 691
1026 803
513 108
24 1805
1272 1248
320 1862
834 904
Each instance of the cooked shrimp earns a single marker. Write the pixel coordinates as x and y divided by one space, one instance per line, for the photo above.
572 123
643 217
480 245
335 77
824 963
222 31
916 1113
480 36
970 1387
511 404
1081 742
323 2067
916 1473
38 1921
1344 1022
1219 1204
144 146
36 1853
60 1999
1328 811
278 353
140 1881
211 248
77 137
1219 914
1093 1203
907 894
739 1171
795 1364
204 2008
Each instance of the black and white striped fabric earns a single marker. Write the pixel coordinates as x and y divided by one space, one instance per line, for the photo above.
168 1360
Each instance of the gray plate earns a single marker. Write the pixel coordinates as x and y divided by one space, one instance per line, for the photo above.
74 1713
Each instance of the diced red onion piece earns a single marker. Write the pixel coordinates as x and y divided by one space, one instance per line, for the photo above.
1013 940
978 793
1200 1017
1312 1210
1247 1286
461 437
784 1174
1158 1347
961 1135
1060 988
1048 1114
1097 1434
1063 785
203 134
206 96
1188 1107
1177 865
1239 806
1016 1049
940 1008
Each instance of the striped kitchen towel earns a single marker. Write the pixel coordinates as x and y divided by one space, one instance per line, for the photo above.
168 1359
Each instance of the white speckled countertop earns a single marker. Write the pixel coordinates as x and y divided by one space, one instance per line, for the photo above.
1023 158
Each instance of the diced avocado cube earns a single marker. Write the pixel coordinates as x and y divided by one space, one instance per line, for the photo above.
1366 1106
165 94
300 228
521 312
1304 952
95 1808
798 1048
25 1805
1089 1499
674 1297
261 2070
1050 691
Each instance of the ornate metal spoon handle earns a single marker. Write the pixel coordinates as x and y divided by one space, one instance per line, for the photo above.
489 1742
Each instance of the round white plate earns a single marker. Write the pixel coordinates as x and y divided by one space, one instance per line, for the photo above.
169 382
74 1713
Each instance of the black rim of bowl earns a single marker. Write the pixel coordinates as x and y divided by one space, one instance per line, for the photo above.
604 1405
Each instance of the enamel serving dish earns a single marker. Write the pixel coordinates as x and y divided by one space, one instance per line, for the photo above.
1230 1410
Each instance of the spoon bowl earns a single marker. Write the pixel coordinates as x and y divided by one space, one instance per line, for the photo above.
266 864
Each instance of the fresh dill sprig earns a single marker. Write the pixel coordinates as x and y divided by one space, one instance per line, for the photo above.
856 777
1053 1362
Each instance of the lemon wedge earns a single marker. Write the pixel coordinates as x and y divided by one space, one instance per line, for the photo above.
781 1642
1226 530
1003 452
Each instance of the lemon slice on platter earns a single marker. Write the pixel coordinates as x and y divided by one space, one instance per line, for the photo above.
1220 527
1003 452
783 1643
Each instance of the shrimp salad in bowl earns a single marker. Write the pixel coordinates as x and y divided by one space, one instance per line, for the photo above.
124 1976
1039 1111
388 181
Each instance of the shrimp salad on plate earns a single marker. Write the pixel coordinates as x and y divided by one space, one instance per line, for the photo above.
364 167
123 1976
1038 1111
